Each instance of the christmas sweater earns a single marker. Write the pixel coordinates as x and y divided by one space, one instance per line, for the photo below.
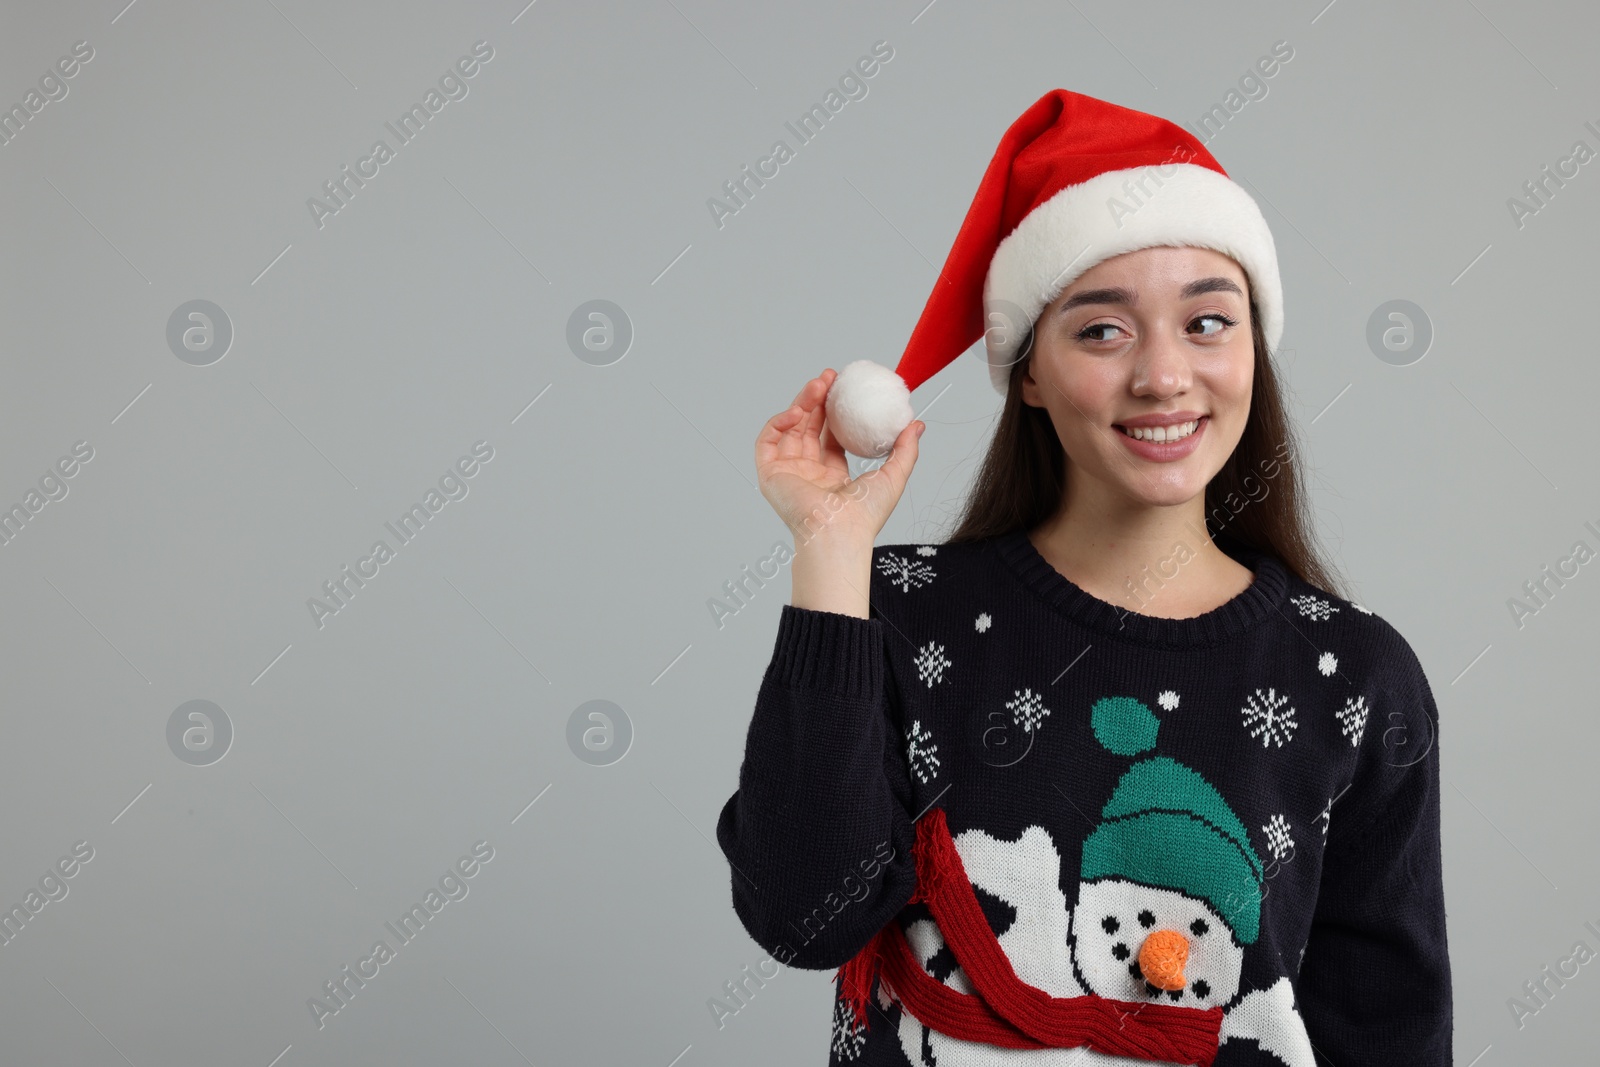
1030 827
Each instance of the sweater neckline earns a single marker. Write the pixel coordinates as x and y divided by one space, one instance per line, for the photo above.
1263 598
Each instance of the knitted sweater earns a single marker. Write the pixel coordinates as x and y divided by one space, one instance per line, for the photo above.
1219 834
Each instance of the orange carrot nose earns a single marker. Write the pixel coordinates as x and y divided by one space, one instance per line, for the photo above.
1161 959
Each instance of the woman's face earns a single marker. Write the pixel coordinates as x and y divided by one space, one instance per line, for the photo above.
1155 332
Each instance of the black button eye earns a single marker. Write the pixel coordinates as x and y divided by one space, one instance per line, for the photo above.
1199 927
1146 920
1109 924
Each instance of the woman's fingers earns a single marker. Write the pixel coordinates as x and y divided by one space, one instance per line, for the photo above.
902 457
799 398
819 412
777 438
831 448
779 424
800 433
795 430
800 426
808 397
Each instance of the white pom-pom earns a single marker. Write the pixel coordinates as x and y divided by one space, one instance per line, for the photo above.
868 405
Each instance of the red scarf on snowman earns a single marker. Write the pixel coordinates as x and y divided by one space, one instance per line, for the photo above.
1007 1011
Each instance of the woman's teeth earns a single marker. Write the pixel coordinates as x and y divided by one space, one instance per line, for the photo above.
1162 433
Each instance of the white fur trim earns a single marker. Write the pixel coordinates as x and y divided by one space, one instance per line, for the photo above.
1086 224
868 405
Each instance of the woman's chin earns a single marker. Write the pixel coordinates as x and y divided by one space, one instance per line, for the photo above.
1169 493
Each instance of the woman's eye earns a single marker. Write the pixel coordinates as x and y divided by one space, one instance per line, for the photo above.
1083 334
1088 332
1223 319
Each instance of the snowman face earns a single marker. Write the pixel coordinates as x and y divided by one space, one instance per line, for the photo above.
1110 923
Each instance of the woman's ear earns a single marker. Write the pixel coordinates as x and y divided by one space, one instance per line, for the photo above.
1026 383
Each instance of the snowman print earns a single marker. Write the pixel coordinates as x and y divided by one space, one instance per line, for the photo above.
1168 898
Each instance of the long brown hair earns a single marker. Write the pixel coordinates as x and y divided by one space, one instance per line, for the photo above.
1023 477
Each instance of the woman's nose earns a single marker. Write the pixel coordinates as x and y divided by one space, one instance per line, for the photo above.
1161 959
1162 369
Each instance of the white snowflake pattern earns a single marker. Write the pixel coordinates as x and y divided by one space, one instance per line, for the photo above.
926 550
1353 718
1264 719
1168 700
1028 710
921 754
931 662
1278 839
1326 815
905 573
847 1041
982 623
1359 608
1327 663
1313 607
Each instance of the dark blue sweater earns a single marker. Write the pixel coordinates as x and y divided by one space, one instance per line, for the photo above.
1262 779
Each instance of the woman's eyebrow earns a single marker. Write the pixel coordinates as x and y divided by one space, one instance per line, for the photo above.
1119 295
1210 285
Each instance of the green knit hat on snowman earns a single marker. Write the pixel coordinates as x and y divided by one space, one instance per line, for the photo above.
1168 827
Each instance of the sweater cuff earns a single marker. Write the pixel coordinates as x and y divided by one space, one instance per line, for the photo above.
824 650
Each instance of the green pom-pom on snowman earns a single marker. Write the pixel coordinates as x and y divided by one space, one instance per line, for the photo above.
1124 725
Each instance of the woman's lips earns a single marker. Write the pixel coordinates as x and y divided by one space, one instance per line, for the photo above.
1165 451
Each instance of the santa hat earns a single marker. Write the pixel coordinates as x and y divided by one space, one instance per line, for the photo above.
1074 182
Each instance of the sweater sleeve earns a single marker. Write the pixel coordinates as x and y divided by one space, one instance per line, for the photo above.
818 834
1374 983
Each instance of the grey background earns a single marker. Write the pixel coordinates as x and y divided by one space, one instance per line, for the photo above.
370 354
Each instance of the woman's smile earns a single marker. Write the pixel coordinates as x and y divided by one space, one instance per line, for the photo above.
1163 444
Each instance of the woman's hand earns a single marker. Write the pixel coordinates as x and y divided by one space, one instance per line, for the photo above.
804 476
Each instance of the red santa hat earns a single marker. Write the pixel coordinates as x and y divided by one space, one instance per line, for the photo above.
1074 182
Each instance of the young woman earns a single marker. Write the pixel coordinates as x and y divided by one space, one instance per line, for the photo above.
1109 775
